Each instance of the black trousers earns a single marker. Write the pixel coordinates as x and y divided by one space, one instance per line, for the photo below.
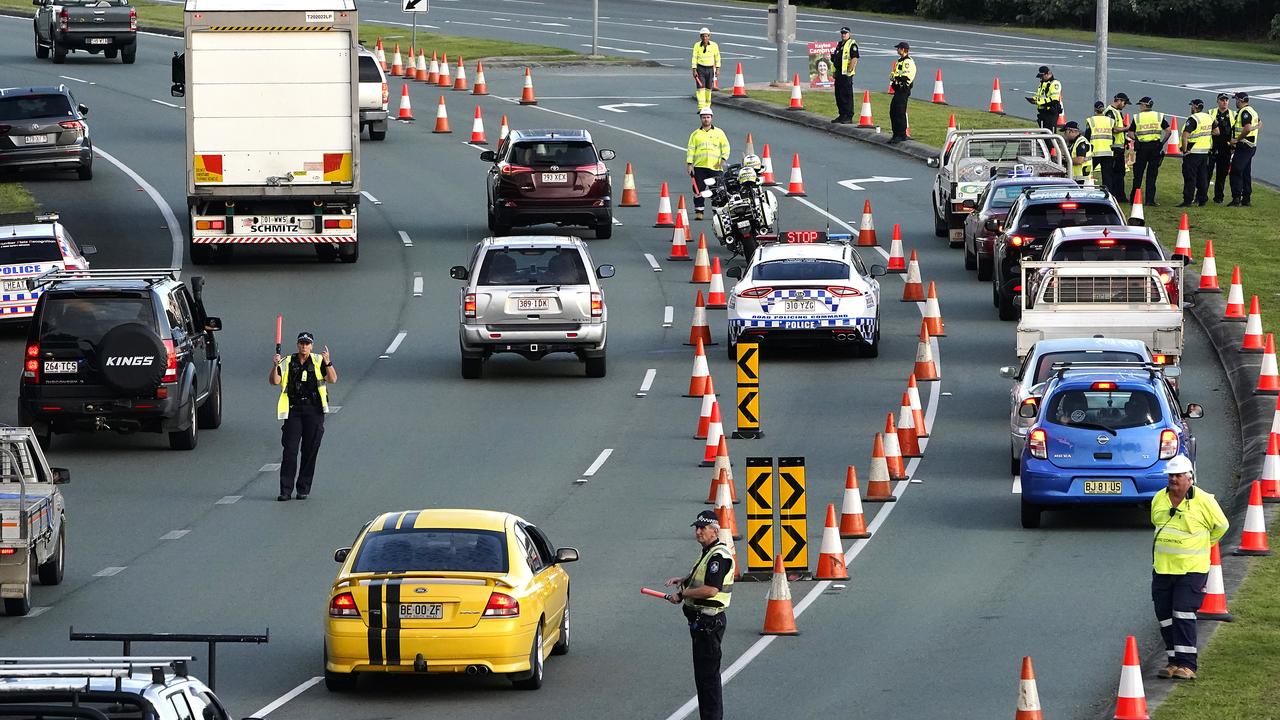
1048 117
700 174
300 434
1176 599
1146 161
844 96
706 632
1219 167
898 112
1106 169
1195 178
1242 172
1117 187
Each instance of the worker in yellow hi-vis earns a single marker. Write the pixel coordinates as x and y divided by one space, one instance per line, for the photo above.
706 67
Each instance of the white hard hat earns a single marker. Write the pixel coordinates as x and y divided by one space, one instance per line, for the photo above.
1178 464
705 111
705 31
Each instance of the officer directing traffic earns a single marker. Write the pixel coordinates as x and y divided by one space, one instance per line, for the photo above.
705 156
1048 99
1244 140
304 400
706 67
901 79
1197 140
704 596
1188 522
1149 132
845 60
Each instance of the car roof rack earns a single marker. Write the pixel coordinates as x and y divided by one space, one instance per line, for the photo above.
211 639
14 668
1060 368
150 275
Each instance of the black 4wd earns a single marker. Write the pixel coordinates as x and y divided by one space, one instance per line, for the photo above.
123 350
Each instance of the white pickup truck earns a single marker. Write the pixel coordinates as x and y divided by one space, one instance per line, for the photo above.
1113 299
32 527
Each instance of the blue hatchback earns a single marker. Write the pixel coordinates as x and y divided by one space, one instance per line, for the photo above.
1103 434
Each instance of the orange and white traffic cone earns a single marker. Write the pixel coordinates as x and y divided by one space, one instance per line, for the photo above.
1214 606
724 465
1209 270
926 370
766 168
724 508
864 113
917 409
893 64
897 263
853 524
908 437
664 210
503 130
717 477
381 54
1235 298
433 70
1253 539
699 328
701 263
480 87
1173 147
460 78
715 433
797 100
477 129
795 187
892 453
932 313
709 401
939 96
397 63
444 79
1183 245
1275 419
879 486
779 616
867 226
831 552
629 196
700 377
749 148
951 128
1137 215
679 248
684 219
420 70
406 107
526 95
913 290
1028 696
1253 341
716 299
442 118
1131 699
726 536
739 84
1062 116
1270 479
997 104
1268 378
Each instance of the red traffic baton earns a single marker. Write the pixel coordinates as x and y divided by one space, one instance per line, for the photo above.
653 593
279 325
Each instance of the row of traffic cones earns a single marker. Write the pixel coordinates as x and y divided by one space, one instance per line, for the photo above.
405 111
436 72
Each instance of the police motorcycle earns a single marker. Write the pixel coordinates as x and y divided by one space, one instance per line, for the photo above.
742 210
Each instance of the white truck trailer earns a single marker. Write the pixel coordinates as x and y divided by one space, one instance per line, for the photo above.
273 125
33 533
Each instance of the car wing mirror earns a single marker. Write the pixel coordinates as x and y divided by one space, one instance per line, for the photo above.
458 272
992 225
605 272
1009 371
340 555
1194 411
88 250
84 109
734 272
932 162
608 154
213 324
1171 372
566 554
178 74
61 476
878 270
489 156
1029 408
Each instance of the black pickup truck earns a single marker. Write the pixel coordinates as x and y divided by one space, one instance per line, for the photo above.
109 27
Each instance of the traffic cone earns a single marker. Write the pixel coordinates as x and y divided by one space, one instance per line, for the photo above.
766 168
939 97
951 127
709 401
797 100
442 118
724 508
795 188
717 476
397 63
480 87
433 70
701 263
444 80
749 148
853 524
1172 147
503 130
1183 245
1270 479
715 433
684 219
1214 606
933 314
908 437
917 410
725 536
406 107
1235 298
700 377
1275 420
867 227
831 552
420 70
1252 329
679 248
1253 540
381 55
893 64
739 84
913 290
460 78
997 104
897 263
892 453
1268 381
1028 697
1136 214
723 465
526 95
879 486
1131 700
699 328
664 210
864 113
926 370
477 129
410 68
779 617
1209 270
716 299
629 196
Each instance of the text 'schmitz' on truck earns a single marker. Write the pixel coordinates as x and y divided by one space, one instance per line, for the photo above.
273 125
93 26
973 158
32 532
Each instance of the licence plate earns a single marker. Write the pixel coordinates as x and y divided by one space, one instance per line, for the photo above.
421 611
15 285
805 305
555 177
60 366
1103 487
536 304
36 139
99 41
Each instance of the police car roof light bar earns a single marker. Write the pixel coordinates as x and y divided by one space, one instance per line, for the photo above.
127 640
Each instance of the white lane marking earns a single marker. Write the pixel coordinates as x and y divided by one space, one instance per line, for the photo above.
171 220
370 198
653 262
269 467
1017 484
650 138
613 97
168 104
334 408
68 77
395 345
616 221
417 284
228 500
616 49
38 610
595 466
109 571
280 701
174 535
647 383
668 315
404 238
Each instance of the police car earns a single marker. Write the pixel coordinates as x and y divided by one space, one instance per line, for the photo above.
30 250
807 286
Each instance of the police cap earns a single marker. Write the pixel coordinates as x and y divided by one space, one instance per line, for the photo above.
1098 104
1197 103
705 518
1120 96
1043 69
845 29
1072 125
903 45
306 337
1223 96
1146 100
1242 95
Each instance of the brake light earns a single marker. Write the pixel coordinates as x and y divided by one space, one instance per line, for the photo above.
133 19
756 292
64 20
343 605
31 368
1106 242
210 224
1017 288
1168 444
469 305
343 223
506 169
840 291
502 605
171 366
597 305
1160 359
1069 206
1036 444
71 125
1103 386
594 168
1017 240
8 551
386 94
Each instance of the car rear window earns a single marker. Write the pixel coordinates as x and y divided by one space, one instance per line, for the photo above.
1107 249
35 107
1004 195
68 319
29 250
801 270
369 70
1044 368
533 266
432 550
1044 217
1115 409
1001 150
564 153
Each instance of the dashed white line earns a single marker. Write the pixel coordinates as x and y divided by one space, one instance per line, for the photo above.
595 466
228 500
38 610
647 383
653 262
280 701
370 198
168 104
395 345
109 571
68 77
269 467
1017 484
668 316
404 238
417 284
616 221
174 535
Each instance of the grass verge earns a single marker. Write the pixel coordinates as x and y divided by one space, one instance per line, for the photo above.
14 198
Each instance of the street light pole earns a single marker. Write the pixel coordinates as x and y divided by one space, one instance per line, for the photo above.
782 43
595 27
1100 51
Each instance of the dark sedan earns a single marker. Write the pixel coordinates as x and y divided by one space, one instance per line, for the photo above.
983 224
44 127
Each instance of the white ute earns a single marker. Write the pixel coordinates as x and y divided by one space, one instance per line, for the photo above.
32 527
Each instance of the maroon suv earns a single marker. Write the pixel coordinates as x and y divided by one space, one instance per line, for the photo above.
549 176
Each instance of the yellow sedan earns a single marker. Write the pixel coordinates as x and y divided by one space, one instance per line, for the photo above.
447 591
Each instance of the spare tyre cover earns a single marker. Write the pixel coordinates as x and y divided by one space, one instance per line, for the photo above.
132 358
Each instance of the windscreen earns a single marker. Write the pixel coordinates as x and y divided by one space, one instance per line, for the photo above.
565 153
29 250
432 550
67 319
533 266
1046 217
35 107
1044 368
801 270
1115 409
1107 249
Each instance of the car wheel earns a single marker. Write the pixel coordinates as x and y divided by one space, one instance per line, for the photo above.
1015 464
1004 303
19 606
604 230
59 53
210 413
85 171
939 224
42 52
533 679
128 54
336 681
110 53
51 572
595 367
1030 515
872 350
349 252
472 368
562 644
970 259
186 439
985 267
326 253
378 135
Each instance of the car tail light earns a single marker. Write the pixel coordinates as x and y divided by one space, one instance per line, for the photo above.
506 169
1017 240
597 305
1168 444
386 94
8 551
71 125
341 223
1106 242
171 366
469 306
133 19
756 292
1036 444
594 168
31 368
1068 206
502 605
1103 386
1017 288
210 224
343 605
841 291
64 20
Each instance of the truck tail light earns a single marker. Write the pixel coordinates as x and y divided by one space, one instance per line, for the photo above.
133 20
210 224
64 20
386 95
841 291
341 223
502 605
469 306
31 367
343 605
1168 444
1036 444
8 551
597 305
171 365
756 292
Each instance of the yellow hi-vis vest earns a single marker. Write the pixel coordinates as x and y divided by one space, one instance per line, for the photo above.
1146 126
1237 125
904 71
719 602
707 148
1117 126
842 65
708 56
1047 92
1183 541
1100 135
1200 140
1086 168
282 405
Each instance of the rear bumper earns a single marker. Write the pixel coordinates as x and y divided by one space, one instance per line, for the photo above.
86 414
502 647
272 239
370 116
68 156
1044 484
798 330
533 343
80 40
586 213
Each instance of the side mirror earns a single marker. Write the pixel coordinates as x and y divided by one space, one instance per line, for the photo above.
178 75
84 109
489 156
1029 408
62 476
566 554
877 270
932 162
1009 371
213 324
459 272
992 225
1194 411
340 555
735 272
969 204
88 250
605 272
1171 372
608 154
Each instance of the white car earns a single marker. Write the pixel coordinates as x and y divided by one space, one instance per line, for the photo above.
807 288
31 250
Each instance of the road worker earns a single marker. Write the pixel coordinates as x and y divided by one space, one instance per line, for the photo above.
706 67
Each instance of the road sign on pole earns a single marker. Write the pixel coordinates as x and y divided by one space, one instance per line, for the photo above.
748 392
793 516
415 6
759 518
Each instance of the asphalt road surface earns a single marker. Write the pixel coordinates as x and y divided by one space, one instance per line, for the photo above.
944 599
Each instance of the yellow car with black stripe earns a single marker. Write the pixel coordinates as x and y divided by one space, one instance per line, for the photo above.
447 591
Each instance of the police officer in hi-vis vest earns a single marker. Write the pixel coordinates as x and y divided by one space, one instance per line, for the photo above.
1100 131
1197 143
845 61
304 399
1149 132
704 596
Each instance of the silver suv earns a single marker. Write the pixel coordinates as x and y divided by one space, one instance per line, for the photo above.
373 95
531 295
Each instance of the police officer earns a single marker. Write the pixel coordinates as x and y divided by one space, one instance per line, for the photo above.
845 61
706 67
1048 99
708 149
1188 522
1197 140
1100 132
1220 155
901 79
1081 165
1118 144
1149 132
704 596
304 399
1244 141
